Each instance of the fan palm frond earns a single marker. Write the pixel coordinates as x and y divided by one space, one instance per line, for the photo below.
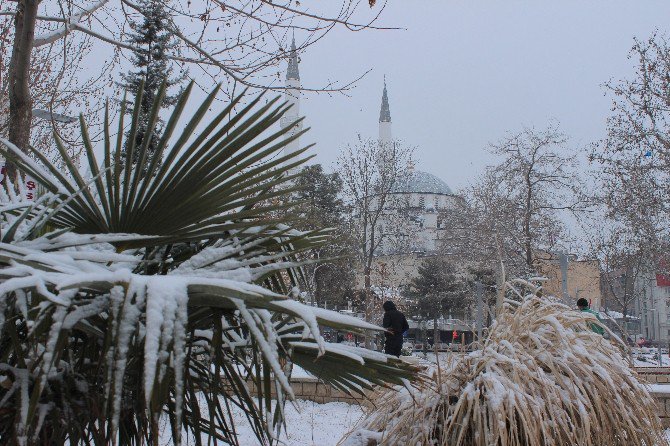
160 291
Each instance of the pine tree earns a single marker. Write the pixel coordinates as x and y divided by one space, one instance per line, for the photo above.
321 207
153 43
438 288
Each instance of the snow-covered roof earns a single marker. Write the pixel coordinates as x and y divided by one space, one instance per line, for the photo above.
423 182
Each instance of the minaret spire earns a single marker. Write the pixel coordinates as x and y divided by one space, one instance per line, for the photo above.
385 136
385 112
293 72
292 96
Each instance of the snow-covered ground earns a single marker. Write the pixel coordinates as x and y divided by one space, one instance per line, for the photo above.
310 424
648 357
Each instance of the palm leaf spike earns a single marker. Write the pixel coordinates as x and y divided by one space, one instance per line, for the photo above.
175 154
30 167
49 212
238 191
176 160
241 182
138 168
116 180
93 162
200 152
108 160
38 211
162 144
131 141
87 201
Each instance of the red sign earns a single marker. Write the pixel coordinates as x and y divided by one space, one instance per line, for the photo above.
455 334
662 280
28 182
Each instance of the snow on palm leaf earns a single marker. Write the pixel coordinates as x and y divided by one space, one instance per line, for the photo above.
542 377
154 294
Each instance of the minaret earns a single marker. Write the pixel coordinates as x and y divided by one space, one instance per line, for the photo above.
385 136
292 96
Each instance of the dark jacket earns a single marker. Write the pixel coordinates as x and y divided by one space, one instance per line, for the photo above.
394 321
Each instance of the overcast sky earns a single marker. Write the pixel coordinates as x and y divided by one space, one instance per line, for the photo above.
463 73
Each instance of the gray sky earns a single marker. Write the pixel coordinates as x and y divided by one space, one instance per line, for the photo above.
463 73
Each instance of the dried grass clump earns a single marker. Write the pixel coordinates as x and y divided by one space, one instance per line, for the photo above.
541 378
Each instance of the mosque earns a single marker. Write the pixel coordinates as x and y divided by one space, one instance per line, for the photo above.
414 219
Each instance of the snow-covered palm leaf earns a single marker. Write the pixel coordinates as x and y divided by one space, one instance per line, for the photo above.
143 337
161 294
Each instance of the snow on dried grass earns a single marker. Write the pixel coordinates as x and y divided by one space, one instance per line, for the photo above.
541 378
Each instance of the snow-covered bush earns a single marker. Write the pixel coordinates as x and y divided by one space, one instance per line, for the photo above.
135 294
542 378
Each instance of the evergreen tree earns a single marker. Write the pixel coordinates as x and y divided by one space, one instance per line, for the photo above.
322 207
438 288
153 43
320 193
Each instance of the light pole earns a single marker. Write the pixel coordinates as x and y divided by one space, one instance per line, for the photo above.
653 323
563 260
479 290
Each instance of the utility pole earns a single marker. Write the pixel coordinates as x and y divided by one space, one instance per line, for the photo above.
563 259
479 291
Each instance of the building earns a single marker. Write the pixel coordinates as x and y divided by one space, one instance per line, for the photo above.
582 279
415 212
651 306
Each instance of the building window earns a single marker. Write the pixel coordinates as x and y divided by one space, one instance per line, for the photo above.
422 202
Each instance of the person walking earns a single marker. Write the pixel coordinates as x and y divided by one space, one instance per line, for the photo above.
584 307
395 324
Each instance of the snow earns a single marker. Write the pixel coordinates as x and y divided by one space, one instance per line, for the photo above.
645 357
299 372
128 319
658 388
307 424
269 350
167 298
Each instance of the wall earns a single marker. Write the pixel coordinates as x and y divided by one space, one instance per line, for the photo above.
583 280
659 378
311 389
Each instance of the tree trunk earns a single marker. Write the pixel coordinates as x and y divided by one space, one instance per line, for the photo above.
367 269
526 232
20 101
436 335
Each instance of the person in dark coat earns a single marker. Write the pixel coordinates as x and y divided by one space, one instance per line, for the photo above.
395 324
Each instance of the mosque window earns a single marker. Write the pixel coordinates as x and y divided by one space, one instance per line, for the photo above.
422 202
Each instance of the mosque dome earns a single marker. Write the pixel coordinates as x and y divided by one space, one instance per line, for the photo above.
419 182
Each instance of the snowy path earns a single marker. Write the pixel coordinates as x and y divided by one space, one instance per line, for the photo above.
314 425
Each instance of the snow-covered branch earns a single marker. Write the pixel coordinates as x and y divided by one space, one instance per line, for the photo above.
69 24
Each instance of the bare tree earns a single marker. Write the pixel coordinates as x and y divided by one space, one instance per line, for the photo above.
623 265
537 179
485 233
239 42
58 89
632 164
370 172
634 156
513 213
